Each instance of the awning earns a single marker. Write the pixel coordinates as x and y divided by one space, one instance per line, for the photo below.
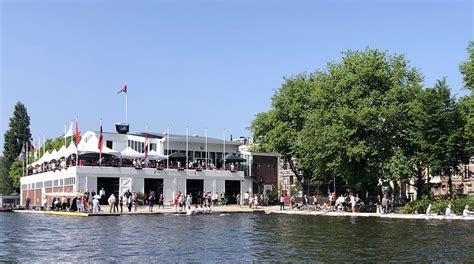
233 158
131 153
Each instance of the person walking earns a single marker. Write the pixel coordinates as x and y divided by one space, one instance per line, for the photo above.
151 201
384 204
121 204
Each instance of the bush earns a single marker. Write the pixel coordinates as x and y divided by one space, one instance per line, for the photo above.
438 206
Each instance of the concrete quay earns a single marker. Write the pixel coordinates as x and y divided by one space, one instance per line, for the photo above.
230 209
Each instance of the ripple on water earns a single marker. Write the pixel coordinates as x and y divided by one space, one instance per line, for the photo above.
235 237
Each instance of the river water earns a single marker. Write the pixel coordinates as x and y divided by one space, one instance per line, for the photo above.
233 237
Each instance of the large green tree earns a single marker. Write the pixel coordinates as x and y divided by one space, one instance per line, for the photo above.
17 135
277 130
439 127
467 102
358 118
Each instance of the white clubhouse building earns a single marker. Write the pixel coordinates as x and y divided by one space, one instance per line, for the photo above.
167 170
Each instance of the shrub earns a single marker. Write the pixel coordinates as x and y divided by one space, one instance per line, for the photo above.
438 206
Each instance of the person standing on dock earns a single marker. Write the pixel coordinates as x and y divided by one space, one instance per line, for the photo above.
95 206
282 202
111 203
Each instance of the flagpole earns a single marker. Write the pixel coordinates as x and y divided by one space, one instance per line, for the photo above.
27 152
223 153
168 147
64 134
23 171
126 103
207 158
101 143
38 149
72 134
77 143
44 144
187 140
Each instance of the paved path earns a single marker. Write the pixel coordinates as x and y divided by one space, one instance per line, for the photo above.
141 210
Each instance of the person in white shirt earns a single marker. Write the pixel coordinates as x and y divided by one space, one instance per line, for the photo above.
428 210
353 203
95 206
449 211
466 211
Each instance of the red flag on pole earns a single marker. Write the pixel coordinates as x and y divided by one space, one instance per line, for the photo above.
101 138
124 89
146 142
78 137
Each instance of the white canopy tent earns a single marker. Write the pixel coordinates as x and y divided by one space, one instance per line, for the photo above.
92 146
53 156
131 153
61 152
153 155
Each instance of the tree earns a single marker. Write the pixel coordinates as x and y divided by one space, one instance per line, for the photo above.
5 183
347 121
277 130
359 116
441 131
17 135
467 102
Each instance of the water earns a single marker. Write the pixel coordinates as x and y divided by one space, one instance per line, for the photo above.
234 237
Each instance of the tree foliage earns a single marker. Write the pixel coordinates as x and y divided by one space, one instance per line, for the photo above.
467 103
363 119
17 134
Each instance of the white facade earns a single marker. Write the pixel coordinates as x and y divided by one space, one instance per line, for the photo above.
76 179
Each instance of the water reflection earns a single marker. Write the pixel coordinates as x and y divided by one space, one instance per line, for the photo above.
236 237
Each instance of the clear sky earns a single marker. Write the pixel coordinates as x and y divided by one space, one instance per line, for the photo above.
211 64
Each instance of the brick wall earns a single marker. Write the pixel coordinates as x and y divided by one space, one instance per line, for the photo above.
265 168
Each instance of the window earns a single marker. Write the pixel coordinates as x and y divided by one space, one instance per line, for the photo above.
23 187
466 172
56 183
69 181
109 144
39 185
48 184
153 146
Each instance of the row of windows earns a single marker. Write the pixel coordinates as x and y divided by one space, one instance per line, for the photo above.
140 146
48 184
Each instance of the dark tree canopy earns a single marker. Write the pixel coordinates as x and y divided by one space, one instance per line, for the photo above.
17 134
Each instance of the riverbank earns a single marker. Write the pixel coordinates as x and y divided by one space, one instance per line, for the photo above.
143 210
231 209
350 214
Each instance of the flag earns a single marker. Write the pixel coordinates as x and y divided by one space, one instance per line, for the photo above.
78 137
101 138
69 132
124 89
22 155
146 142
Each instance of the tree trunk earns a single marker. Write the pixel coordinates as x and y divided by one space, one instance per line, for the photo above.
419 183
363 191
450 185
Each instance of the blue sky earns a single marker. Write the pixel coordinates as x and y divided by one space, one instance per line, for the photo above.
211 64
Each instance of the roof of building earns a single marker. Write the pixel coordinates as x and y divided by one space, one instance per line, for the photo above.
176 137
